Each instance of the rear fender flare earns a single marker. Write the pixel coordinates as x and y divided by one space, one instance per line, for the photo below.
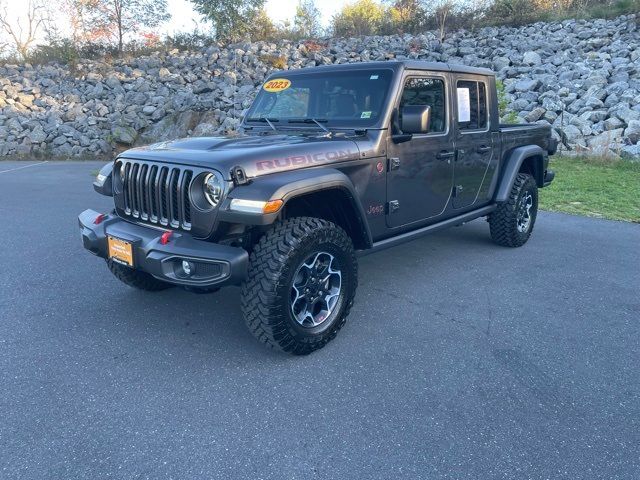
513 162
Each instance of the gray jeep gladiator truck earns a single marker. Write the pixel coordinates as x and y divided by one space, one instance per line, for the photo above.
333 161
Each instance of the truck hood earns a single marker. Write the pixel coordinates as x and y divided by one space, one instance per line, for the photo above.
256 154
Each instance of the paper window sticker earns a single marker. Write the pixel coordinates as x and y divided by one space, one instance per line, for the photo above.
373 77
464 105
365 115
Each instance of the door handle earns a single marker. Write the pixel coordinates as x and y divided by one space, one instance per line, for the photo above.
483 149
445 154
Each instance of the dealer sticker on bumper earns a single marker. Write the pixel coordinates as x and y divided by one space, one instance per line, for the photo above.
120 251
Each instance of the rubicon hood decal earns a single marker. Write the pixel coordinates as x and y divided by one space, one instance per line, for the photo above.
300 160
258 155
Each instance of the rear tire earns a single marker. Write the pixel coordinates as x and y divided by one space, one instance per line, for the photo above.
301 284
511 223
136 278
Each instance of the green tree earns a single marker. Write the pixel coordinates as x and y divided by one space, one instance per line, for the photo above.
407 16
306 23
231 18
262 27
363 17
117 18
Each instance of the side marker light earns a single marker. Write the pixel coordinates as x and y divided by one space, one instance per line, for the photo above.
272 206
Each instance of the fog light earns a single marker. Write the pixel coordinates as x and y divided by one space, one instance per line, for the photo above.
188 268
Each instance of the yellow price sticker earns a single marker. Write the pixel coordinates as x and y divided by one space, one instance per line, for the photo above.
277 85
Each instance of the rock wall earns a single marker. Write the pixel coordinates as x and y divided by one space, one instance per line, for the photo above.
582 77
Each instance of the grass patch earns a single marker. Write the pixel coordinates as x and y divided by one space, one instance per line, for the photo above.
594 187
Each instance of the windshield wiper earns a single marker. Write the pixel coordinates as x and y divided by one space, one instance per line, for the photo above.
317 121
268 121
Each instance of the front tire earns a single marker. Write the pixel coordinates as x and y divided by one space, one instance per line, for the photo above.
136 278
301 284
511 223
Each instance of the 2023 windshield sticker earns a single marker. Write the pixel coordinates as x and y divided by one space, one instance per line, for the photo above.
277 85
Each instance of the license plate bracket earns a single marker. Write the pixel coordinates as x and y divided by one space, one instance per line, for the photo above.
120 251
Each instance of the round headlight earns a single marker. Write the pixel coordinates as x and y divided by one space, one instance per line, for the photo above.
213 188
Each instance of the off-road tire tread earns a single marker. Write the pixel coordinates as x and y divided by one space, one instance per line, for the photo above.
268 263
502 221
136 278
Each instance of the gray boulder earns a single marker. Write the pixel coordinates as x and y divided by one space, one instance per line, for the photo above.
612 123
572 136
606 139
535 114
630 152
531 58
500 62
37 135
632 132
124 135
625 114
527 84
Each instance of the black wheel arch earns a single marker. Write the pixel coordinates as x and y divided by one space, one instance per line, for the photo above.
529 159
325 193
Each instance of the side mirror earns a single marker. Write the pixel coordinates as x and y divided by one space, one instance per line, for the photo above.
416 119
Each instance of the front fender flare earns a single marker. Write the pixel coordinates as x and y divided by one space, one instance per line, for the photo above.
513 162
287 185
103 184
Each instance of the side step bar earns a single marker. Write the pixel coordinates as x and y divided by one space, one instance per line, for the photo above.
408 236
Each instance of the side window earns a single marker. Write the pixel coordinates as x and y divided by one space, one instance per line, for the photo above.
472 105
427 91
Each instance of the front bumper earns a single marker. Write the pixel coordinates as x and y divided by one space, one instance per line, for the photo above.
215 265
549 175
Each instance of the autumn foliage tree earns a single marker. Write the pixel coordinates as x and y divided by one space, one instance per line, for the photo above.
78 14
114 19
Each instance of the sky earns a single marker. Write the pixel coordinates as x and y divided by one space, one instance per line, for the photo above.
183 16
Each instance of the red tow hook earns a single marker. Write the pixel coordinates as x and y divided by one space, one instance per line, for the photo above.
166 236
99 219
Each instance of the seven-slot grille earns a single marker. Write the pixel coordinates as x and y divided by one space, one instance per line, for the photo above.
157 194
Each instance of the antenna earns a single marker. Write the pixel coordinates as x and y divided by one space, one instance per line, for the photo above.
235 81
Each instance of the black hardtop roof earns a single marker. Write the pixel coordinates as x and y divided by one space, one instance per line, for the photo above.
393 64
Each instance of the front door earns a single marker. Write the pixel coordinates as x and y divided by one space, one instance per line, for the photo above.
420 171
474 149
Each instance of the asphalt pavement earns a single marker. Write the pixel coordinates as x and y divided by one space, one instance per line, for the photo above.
460 360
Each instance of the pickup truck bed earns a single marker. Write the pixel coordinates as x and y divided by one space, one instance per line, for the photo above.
512 136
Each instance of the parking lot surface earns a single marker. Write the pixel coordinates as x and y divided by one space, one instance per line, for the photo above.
460 360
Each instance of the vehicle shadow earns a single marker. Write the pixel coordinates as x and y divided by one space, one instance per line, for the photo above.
209 324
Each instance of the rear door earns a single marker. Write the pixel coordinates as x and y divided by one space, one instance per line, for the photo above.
420 171
474 145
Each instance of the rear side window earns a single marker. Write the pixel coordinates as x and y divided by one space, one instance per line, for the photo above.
472 105
427 91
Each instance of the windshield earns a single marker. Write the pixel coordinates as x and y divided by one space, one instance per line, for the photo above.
349 98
